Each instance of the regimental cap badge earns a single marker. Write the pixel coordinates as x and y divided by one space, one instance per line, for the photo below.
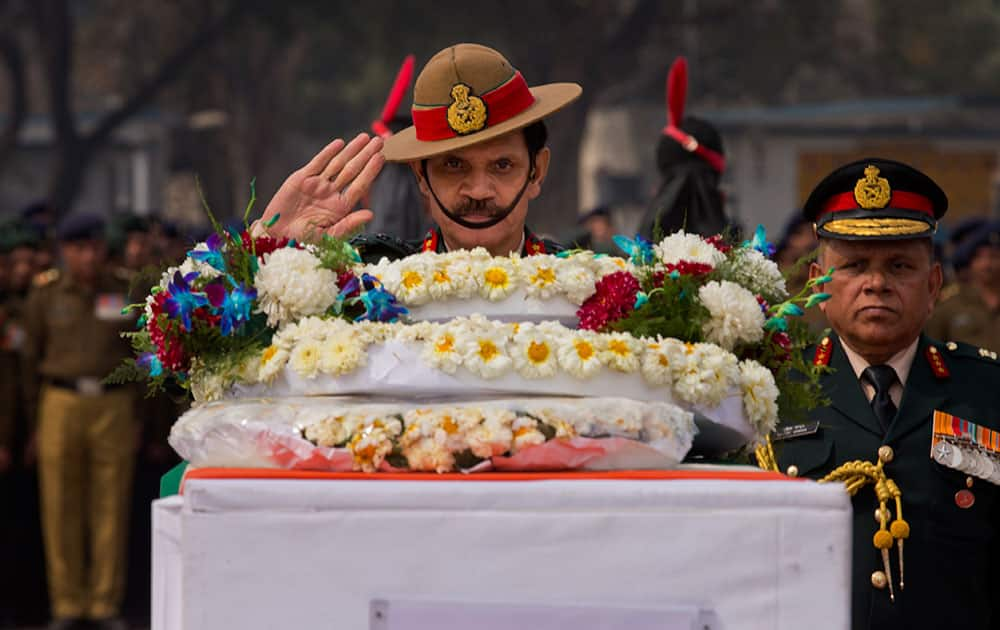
872 192
467 112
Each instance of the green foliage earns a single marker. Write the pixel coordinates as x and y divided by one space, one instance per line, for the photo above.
671 310
336 254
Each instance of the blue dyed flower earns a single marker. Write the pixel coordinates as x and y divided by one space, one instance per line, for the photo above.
790 308
639 250
817 298
759 242
236 308
640 299
211 256
380 305
776 324
151 363
181 300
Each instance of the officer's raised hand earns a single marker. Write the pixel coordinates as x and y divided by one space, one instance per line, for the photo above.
318 198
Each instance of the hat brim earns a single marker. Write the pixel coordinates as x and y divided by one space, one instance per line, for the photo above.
550 98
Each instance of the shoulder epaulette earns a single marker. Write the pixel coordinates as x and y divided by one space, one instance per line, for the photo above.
966 351
44 278
949 292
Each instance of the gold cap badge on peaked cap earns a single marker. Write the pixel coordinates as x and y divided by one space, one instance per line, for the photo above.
871 191
467 112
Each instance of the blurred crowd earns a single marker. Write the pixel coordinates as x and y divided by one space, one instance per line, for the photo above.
80 460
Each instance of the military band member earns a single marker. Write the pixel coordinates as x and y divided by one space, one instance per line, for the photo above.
904 408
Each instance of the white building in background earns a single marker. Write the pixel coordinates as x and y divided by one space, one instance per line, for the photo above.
129 174
776 155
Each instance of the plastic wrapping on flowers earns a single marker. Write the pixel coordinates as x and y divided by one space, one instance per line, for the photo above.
345 434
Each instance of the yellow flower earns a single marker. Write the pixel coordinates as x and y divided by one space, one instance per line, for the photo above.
487 350
412 279
496 278
268 355
543 277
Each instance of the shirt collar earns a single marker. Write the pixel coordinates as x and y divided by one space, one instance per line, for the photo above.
902 361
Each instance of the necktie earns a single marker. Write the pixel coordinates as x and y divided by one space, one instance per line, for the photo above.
882 377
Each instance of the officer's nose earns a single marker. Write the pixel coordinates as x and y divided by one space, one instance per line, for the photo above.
876 281
478 185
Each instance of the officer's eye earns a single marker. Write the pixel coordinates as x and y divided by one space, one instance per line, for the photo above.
503 164
452 163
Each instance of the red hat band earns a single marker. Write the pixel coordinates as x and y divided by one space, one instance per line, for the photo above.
900 200
485 110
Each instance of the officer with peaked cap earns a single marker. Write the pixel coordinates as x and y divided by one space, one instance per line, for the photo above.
476 147
903 409
85 434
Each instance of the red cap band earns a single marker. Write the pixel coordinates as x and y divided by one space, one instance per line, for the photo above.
502 103
900 200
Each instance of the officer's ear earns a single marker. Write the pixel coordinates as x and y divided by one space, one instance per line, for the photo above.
815 271
537 176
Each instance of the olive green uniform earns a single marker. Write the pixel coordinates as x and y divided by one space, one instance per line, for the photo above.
952 554
85 440
962 315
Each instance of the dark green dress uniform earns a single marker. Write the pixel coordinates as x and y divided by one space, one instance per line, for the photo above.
950 559
952 556
372 248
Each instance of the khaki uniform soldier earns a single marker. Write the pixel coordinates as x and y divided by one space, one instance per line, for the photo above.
969 311
85 433
912 428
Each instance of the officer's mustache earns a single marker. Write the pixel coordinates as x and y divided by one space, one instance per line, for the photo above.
478 208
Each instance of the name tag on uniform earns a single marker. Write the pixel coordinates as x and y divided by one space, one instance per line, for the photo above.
790 431
108 307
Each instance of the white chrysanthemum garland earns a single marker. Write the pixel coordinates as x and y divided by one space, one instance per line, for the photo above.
699 374
420 278
445 437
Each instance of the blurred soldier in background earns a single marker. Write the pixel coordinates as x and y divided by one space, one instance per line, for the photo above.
85 435
395 199
690 160
598 232
970 311
793 255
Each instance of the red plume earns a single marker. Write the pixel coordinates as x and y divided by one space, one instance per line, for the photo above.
399 87
677 86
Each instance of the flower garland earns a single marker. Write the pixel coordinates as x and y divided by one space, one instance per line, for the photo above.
700 374
426 276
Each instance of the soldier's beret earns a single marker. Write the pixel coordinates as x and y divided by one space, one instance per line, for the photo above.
14 234
81 226
988 234
875 199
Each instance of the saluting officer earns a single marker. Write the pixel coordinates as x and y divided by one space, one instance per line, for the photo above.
904 409
85 434
477 148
